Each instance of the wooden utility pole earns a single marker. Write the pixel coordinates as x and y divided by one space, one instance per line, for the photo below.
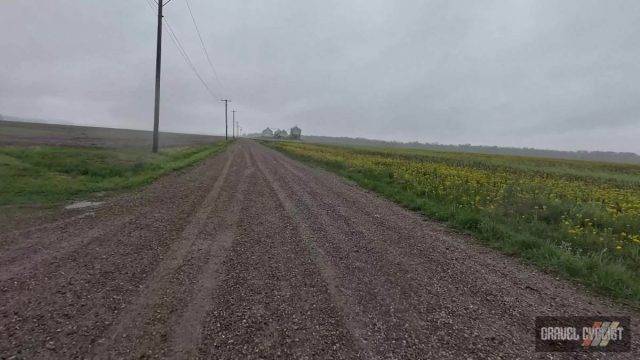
156 109
226 121
234 123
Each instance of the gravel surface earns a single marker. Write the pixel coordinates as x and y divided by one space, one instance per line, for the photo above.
253 255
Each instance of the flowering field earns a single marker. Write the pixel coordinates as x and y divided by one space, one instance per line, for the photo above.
576 218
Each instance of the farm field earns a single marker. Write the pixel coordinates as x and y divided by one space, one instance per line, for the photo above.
575 218
48 174
17 133
44 166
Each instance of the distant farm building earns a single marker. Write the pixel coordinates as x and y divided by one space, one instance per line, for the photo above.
280 134
295 133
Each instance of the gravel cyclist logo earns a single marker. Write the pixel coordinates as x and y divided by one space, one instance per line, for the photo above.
583 333
602 333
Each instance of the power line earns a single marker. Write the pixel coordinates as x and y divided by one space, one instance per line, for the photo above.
185 56
174 37
204 48
150 3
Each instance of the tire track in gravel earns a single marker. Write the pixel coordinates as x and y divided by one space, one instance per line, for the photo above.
349 310
377 296
69 302
400 292
272 301
397 293
497 309
155 339
132 321
35 246
386 218
186 333
35 251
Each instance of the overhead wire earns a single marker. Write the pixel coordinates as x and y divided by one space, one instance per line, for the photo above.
204 47
186 57
176 41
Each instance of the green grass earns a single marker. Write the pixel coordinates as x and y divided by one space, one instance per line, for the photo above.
51 174
577 219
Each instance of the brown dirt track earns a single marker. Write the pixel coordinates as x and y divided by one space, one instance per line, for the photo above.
253 255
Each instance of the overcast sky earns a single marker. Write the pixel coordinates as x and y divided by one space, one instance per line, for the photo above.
562 74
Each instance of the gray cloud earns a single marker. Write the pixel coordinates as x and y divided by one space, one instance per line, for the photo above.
539 73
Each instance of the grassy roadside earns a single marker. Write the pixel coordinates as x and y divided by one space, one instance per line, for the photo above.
51 174
573 218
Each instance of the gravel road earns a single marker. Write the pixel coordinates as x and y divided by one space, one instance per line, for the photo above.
253 255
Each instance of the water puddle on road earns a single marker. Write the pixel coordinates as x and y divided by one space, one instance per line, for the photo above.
83 204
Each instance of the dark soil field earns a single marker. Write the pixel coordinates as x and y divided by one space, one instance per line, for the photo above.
25 133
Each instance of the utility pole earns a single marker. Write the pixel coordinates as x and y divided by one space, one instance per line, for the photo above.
234 123
156 109
226 121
